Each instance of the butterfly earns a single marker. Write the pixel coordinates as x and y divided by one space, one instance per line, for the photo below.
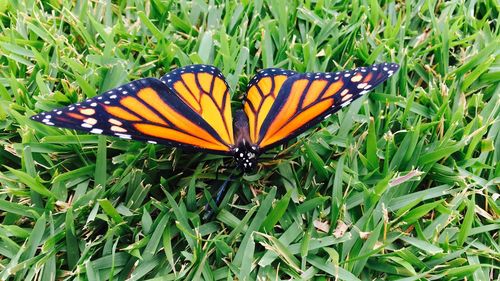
190 108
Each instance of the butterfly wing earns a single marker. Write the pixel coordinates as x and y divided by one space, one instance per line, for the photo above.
261 94
144 110
204 89
305 99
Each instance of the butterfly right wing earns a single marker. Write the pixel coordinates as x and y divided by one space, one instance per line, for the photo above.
142 110
306 99
261 94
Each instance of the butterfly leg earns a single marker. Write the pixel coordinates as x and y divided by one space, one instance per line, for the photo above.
213 203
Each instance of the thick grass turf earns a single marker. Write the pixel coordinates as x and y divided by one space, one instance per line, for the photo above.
401 185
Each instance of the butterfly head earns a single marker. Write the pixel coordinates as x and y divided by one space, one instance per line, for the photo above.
246 156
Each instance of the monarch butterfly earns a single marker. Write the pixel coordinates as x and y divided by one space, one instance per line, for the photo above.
190 108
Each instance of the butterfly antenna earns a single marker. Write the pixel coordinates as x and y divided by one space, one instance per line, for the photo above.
213 203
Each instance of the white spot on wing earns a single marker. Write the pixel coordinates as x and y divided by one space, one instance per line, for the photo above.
47 122
346 97
115 122
90 121
87 111
123 136
346 103
356 78
118 129
85 125
362 85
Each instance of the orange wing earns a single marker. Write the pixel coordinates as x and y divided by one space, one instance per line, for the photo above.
204 89
261 94
143 110
306 99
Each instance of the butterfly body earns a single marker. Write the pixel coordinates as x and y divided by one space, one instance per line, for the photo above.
190 108
244 153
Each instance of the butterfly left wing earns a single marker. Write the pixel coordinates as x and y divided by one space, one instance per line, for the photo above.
144 110
204 89
305 99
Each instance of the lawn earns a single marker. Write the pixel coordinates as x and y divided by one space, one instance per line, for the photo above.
401 185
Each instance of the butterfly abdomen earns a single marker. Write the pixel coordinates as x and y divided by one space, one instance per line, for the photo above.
245 153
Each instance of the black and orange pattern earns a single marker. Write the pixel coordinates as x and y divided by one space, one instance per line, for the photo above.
261 94
190 108
307 98
141 110
205 90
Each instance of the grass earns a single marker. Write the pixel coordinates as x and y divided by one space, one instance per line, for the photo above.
401 185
